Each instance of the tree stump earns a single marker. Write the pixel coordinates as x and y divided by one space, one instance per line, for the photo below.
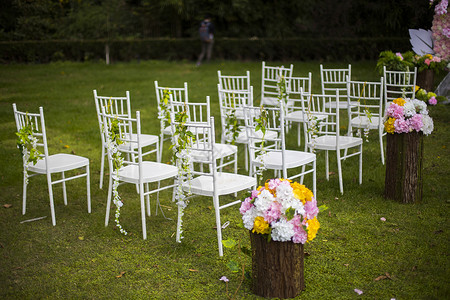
404 155
425 80
277 268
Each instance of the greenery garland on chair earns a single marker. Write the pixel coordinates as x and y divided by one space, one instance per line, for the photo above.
164 109
183 139
232 124
262 123
27 145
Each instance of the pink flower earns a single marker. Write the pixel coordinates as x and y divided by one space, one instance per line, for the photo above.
246 205
441 8
432 101
416 122
224 278
273 212
436 58
395 111
446 32
273 183
300 235
311 209
399 55
401 126
255 193
427 61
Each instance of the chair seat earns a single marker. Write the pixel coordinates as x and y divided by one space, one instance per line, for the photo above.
363 121
298 116
328 142
293 159
273 101
220 151
167 130
226 183
243 139
151 172
60 162
146 140
342 104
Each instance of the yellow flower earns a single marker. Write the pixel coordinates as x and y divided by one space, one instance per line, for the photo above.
313 227
399 101
416 88
389 125
429 56
261 226
301 192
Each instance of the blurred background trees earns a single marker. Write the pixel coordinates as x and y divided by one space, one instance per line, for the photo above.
137 19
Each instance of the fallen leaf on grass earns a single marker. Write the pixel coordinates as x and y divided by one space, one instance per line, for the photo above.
7 205
81 238
381 277
66 146
346 265
120 275
331 173
193 270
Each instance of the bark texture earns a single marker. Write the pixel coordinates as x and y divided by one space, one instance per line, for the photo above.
425 80
404 156
277 268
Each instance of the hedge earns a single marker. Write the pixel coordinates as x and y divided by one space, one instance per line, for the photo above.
298 49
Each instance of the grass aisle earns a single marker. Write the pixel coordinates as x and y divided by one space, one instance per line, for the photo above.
80 258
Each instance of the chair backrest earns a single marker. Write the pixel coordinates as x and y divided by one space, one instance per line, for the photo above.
36 123
321 118
271 118
234 82
297 86
332 79
178 94
368 97
199 112
117 132
399 84
270 77
117 106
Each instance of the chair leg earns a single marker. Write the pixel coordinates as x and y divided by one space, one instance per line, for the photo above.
141 197
64 188
161 144
314 179
298 134
341 184
108 202
218 224
88 189
360 163
147 198
327 167
24 197
50 194
246 158
102 167
179 221
380 134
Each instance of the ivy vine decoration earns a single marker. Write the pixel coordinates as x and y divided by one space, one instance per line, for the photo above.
313 125
27 144
113 143
281 88
232 123
164 108
183 139
261 125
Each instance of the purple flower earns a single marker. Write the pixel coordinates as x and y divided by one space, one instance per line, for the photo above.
432 101
224 278
246 205
273 212
399 55
359 292
311 209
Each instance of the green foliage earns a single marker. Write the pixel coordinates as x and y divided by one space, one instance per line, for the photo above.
394 62
26 140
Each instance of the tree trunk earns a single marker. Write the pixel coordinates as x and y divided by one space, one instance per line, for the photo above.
404 155
425 80
277 267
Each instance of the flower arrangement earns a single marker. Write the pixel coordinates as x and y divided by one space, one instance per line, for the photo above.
427 97
406 115
282 210
395 61
27 145
428 62
441 30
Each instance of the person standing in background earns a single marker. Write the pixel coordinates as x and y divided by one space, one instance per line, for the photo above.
206 33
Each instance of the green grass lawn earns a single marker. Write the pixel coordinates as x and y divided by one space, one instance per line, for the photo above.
80 258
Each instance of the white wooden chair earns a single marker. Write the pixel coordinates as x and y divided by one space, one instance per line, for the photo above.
49 164
369 110
276 156
179 94
137 172
336 79
234 82
270 77
294 112
398 84
325 135
210 181
121 106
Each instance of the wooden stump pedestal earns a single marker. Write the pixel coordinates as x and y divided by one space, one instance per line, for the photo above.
425 80
277 268
404 155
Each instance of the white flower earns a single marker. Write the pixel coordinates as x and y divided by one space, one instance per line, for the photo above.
421 107
249 218
284 190
428 125
409 109
282 231
263 201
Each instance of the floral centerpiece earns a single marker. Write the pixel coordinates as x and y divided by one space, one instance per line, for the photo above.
282 210
428 97
406 115
429 62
